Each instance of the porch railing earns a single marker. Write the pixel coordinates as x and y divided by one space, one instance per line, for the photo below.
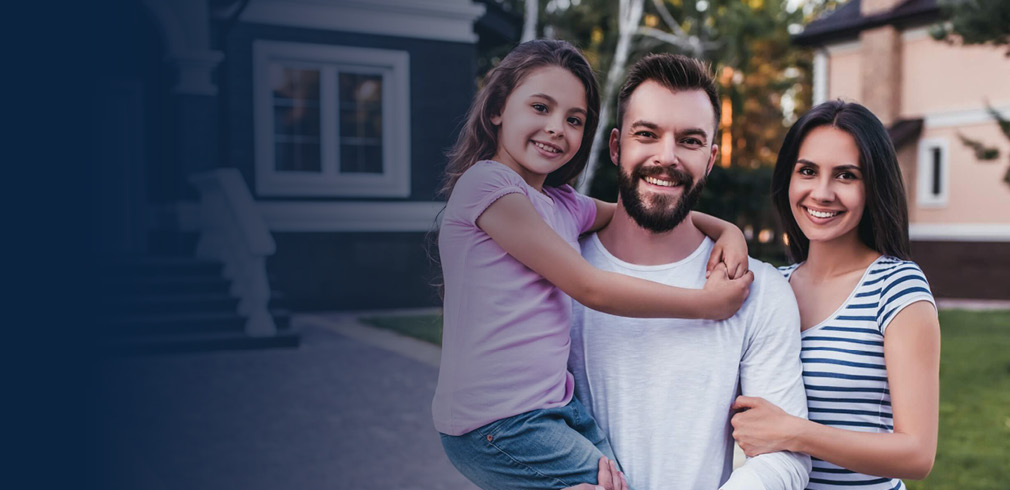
233 232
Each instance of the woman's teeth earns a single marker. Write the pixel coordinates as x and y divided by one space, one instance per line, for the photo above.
820 214
655 181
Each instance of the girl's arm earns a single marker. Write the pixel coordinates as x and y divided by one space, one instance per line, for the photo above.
912 356
515 226
604 213
730 244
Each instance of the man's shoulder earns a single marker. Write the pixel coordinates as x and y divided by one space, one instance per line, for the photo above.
770 287
765 272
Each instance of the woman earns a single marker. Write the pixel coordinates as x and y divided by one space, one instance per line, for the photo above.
870 335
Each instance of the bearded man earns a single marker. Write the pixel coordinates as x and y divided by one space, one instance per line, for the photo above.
662 388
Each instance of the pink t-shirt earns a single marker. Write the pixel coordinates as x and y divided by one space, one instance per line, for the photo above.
505 338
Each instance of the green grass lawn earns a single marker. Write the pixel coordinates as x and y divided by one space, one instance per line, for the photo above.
974 448
423 327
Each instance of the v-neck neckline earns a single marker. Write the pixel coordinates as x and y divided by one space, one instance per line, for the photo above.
845 303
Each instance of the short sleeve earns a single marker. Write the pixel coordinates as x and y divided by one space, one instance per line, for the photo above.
479 187
580 207
904 284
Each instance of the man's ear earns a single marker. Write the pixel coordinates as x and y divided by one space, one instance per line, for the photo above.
711 159
615 146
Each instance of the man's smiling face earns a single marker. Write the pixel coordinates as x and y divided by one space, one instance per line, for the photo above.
663 152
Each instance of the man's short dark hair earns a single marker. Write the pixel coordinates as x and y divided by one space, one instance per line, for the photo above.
673 71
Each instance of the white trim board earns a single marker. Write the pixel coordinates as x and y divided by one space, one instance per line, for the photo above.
963 117
310 217
843 48
443 20
959 232
350 216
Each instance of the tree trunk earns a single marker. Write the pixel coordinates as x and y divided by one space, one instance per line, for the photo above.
530 20
630 15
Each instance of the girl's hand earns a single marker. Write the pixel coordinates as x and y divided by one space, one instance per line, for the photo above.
762 427
609 478
730 249
724 296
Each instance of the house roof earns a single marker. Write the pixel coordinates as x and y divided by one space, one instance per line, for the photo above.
846 22
905 131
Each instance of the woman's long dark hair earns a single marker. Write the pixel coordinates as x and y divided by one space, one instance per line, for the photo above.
478 139
884 224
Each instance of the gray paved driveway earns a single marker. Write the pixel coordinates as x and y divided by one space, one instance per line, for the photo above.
337 412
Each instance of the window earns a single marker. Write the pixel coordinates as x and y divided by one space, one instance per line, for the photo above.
932 173
331 120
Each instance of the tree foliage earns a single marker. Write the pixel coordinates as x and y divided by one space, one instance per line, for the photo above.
763 77
979 22
976 22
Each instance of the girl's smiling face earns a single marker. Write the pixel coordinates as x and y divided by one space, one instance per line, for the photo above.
541 125
827 193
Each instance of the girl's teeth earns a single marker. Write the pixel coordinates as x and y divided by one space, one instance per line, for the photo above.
545 147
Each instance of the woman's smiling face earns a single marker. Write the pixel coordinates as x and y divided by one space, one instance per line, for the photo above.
827 192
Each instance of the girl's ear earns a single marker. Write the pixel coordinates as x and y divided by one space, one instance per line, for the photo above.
496 119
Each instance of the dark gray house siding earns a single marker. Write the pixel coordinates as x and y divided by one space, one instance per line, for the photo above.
324 270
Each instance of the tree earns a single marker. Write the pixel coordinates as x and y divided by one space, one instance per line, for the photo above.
764 82
975 22
979 22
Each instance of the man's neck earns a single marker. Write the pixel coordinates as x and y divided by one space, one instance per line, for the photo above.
624 239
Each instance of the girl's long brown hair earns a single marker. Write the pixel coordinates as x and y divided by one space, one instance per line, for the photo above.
478 139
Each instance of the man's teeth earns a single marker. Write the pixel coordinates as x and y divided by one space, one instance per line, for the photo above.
655 181
819 214
546 148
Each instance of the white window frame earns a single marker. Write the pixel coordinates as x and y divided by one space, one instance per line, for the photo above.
924 173
394 66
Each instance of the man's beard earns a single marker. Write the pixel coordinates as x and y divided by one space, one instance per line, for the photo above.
666 211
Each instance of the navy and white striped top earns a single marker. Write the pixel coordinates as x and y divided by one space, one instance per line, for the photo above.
843 363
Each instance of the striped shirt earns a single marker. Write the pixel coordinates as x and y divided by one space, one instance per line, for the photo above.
843 363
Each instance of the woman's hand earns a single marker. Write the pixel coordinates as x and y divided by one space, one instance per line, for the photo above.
609 478
729 249
762 427
723 295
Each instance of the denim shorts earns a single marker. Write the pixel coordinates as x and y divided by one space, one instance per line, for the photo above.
542 449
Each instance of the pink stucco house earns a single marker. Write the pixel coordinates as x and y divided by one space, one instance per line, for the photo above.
879 53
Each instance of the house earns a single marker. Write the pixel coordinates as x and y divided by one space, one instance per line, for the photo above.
929 94
307 136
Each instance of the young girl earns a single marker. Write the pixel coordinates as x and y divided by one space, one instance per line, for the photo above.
509 250
870 335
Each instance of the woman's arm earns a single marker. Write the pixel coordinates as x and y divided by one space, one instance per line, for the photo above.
515 226
730 244
912 356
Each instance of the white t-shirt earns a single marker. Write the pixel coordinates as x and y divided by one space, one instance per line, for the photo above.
662 388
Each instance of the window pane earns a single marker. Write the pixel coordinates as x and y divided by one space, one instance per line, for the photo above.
936 171
359 158
297 156
360 123
296 118
296 121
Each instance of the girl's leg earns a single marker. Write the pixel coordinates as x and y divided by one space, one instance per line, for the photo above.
537 450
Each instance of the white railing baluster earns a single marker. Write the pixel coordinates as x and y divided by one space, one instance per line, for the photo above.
233 232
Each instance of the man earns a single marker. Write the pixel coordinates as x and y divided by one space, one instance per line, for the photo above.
662 388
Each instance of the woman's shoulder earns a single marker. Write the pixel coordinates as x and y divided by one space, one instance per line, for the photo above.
787 270
888 269
898 283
